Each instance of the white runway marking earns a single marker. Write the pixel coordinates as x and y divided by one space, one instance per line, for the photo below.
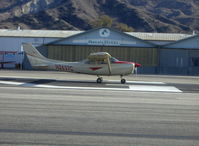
140 82
154 88
145 88
11 83
59 87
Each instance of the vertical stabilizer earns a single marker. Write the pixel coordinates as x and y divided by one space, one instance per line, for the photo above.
35 58
32 51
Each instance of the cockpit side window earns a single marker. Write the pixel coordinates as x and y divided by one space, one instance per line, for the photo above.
113 59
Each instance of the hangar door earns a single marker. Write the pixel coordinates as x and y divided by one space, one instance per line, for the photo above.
145 56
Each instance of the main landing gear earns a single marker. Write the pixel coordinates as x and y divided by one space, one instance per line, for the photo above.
100 80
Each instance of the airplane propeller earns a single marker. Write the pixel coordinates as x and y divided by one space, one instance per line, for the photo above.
136 66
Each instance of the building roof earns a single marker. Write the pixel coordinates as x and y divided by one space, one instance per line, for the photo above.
68 33
159 36
186 43
37 33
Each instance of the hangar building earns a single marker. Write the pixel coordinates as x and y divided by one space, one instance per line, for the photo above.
159 53
11 51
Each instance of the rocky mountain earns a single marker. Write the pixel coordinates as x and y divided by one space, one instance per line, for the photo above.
140 15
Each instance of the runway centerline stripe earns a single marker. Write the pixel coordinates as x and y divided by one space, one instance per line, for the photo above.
146 88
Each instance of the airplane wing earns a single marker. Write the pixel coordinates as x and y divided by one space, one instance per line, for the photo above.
101 56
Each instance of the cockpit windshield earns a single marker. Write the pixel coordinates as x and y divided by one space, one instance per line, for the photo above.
113 59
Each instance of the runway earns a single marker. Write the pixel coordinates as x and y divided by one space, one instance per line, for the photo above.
36 112
86 85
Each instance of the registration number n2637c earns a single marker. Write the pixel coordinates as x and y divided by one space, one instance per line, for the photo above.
64 68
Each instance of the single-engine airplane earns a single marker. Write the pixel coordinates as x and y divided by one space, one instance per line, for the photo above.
100 64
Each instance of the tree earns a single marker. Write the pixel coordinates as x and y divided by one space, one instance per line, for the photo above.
123 27
103 21
106 21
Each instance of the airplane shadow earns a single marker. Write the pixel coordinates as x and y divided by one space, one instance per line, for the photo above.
59 82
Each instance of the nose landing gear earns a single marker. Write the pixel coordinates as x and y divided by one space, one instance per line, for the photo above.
99 80
123 81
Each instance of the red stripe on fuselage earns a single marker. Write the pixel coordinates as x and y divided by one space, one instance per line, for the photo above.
95 68
126 62
123 62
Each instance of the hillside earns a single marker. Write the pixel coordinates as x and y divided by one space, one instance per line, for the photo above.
140 15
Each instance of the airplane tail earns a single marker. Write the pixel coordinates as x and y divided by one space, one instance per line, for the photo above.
36 59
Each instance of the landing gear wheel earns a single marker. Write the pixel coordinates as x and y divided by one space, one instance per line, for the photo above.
99 80
123 81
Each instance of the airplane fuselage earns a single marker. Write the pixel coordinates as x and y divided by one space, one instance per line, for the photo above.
94 69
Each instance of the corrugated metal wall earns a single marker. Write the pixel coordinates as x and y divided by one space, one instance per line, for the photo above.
193 62
145 56
179 61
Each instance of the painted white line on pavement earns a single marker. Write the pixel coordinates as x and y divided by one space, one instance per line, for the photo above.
11 83
131 87
140 82
60 87
118 81
154 88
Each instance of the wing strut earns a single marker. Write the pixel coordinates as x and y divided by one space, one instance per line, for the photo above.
109 65
101 56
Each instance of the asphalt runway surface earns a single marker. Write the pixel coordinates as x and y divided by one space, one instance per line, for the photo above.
55 108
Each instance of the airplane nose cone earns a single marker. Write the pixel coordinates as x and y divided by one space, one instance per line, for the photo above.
137 65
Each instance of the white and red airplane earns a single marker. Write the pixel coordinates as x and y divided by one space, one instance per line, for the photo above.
100 64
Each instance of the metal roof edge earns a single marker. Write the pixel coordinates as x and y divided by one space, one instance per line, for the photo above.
179 41
37 33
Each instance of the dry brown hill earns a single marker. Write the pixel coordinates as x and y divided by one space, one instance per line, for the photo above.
140 15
